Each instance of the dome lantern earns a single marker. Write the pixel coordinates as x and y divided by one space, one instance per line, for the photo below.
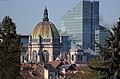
45 15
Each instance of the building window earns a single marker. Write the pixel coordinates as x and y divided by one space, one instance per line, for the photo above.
78 57
72 57
81 57
1 40
34 56
45 56
45 40
51 77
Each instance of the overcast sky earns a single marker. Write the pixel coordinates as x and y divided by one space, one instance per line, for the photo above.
27 13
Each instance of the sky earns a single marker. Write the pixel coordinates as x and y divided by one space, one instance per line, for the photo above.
26 14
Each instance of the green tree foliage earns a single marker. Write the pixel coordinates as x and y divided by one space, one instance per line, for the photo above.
109 56
9 50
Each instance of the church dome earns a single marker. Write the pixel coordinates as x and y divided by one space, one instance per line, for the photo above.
45 29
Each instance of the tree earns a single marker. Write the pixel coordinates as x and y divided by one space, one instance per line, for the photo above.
9 50
109 56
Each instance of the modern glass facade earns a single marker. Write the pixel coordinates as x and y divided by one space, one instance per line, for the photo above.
80 23
66 44
100 35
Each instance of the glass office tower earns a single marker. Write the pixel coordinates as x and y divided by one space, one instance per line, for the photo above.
100 35
80 23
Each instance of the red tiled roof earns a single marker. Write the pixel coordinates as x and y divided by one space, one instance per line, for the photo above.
65 62
25 65
28 66
27 74
55 63
38 71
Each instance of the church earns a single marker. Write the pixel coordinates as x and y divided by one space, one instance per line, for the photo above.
45 41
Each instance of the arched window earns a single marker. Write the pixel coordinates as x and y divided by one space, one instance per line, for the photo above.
45 56
72 57
34 56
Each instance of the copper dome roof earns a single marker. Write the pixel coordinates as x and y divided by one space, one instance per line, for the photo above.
45 29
